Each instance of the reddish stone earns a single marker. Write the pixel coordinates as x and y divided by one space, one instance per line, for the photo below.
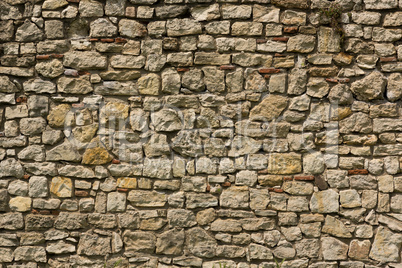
264 171
122 189
83 73
21 100
358 172
57 56
280 39
78 105
120 40
55 212
387 59
227 67
269 71
344 80
183 69
107 40
44 212
287 178
93 39
42 57
276 190
290 29
116 161
279 55
34 211
81 193
226 184
267 76
304 178
26 176
208 188
331 80
261 41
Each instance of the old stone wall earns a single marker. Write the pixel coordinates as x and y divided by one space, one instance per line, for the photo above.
200 133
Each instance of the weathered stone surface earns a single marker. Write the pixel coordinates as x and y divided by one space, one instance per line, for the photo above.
139 241
74 85
11 168
30 253
65 152
28 32
200 243
170 242
84 60
291 4
386 246
93 245
270 108
284 163
333 249
301 43
180 27
325 202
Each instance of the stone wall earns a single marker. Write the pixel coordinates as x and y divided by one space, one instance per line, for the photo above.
200 133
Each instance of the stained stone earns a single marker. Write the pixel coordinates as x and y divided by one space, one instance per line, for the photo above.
325 202
93 245
61 187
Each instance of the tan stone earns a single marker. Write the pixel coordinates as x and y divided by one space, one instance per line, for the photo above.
269 108
61 187
269 180
126 182
359 250
289 163
57 115
20 203
96 154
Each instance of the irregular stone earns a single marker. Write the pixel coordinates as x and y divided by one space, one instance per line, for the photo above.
205 13
93 245
301 43
139 241
386 246
328 40
200 243
11 168
28 32
289 163
80 85
180 27
187 143
84 60
64 152
335 227
71 221
102 28
325 202
30 253
50 69
38 85
394 84
247 28
96 154
170 242
297 81
61 187
90 8
269 108
301 4
333 249
147 199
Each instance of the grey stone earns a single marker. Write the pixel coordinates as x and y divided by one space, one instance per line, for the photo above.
28 32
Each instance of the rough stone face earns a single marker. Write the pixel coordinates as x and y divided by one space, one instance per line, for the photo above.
301 43
386 246
61 187
74 85
284 163
270 108
325 202
200 243
93 245
28 32
139 241
170 242
333 249
30 253
369 88
84 60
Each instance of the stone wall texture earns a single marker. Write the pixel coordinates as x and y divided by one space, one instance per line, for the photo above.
200 133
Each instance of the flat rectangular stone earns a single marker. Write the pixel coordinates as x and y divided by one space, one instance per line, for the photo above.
204 58
389 149
381 125
16 71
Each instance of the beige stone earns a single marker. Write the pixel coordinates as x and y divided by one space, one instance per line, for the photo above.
61 187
